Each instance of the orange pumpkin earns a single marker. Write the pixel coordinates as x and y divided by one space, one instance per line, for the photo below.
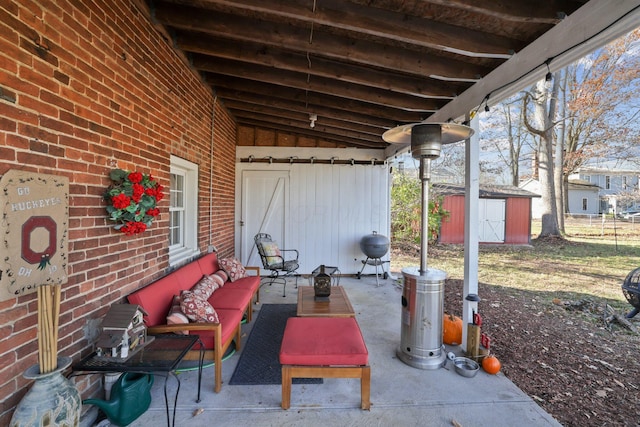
452 330
491 364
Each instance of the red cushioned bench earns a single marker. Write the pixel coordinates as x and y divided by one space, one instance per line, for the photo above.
324 347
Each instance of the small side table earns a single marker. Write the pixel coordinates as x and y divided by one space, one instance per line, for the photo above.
162 355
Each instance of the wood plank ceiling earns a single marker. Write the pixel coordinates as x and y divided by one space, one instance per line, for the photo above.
360 66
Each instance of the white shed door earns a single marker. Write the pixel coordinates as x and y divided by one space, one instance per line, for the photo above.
492 216
263 210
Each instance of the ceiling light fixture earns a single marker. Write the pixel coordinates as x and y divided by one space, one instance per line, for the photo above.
312 119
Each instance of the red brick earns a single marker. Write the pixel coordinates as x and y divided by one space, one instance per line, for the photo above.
14 84
38 160
37 133
38 105
54 99
61 77
7 124
17 25
55 125
39 50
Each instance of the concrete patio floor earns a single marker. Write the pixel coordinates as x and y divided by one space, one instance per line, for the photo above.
400 394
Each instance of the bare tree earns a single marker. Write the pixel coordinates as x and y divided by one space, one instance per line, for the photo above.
602 103
505 134
543 104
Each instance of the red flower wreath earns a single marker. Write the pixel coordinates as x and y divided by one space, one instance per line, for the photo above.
131 200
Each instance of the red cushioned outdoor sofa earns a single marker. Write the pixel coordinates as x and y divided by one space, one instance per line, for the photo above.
231 302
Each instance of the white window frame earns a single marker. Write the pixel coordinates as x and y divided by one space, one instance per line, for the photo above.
607 182
188 248
585 204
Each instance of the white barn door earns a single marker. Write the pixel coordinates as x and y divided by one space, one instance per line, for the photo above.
492 220
322 210
264 209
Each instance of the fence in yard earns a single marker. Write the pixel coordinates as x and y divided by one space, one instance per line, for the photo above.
594 224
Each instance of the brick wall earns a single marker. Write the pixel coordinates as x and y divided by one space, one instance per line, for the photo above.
86 87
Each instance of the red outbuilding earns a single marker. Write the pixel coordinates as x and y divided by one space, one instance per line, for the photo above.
504 214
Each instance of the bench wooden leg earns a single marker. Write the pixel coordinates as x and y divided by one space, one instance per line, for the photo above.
365 388
286 386
249 312
238 340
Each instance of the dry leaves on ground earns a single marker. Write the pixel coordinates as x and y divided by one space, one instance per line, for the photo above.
580 369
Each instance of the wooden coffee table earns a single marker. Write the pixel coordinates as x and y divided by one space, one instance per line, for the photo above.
337 306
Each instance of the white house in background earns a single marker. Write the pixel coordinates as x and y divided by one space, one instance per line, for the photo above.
583 197
615 179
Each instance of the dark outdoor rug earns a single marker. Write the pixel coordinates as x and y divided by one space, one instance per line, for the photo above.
259 363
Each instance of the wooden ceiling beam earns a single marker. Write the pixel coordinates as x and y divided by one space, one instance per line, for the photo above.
385 24
324 129
316 134
540 12
364 52
347 117
258 54
317 84
232 87
303 117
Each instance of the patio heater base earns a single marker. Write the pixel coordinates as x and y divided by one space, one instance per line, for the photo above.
422 318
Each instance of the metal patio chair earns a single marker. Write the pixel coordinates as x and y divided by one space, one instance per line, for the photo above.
282 263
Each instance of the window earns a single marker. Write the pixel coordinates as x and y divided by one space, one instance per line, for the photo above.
624 182
607 182
584 203
183 209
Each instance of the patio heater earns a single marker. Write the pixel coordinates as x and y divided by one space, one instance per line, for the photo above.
423 290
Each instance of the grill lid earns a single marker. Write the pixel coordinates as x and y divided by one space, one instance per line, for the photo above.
374 245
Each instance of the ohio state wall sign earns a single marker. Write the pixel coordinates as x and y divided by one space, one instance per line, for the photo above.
33 232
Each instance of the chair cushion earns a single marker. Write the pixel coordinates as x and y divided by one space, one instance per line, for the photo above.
209 263
231 297
230 318
251 283
323 341
156 298
271 252
234 268
291 265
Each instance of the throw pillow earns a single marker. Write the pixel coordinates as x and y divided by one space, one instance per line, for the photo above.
176 316
197 309
222 276
219 279
205 287
233 268
272 253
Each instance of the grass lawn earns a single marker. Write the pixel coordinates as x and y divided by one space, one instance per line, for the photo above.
592 261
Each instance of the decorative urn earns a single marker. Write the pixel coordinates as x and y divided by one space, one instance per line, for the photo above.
322 285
